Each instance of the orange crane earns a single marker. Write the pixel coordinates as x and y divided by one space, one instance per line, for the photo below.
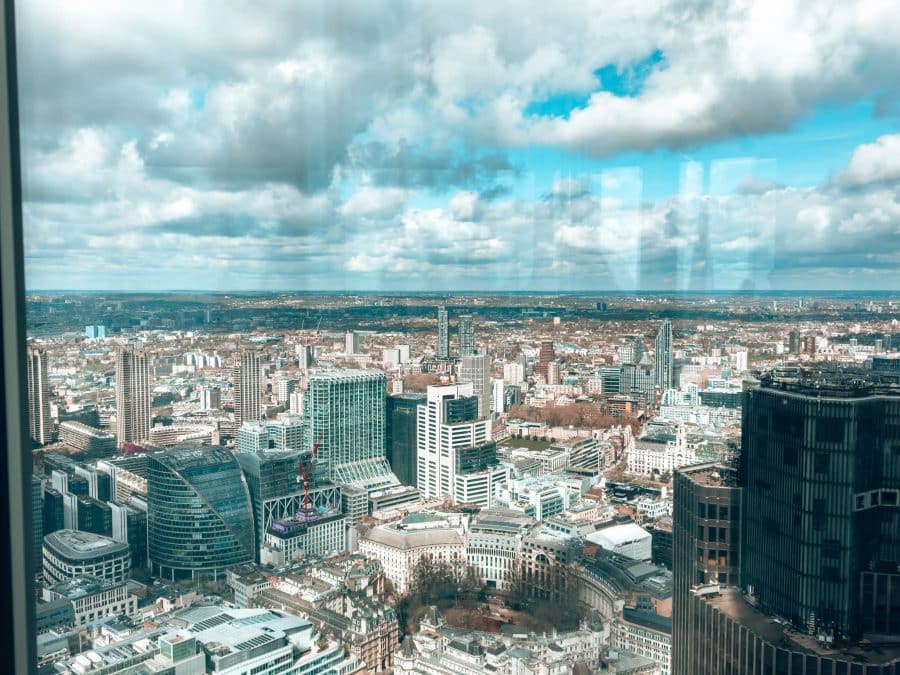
304 469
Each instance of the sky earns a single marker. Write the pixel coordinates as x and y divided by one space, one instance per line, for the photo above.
453 145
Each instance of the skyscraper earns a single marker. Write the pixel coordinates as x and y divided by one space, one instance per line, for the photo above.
466 334
665 358
448 423
133 395
247 387
401 416
443 328
40 424
351 343
794 342
808 531
344 412
199 512
475 368
306 356
545 356
37 519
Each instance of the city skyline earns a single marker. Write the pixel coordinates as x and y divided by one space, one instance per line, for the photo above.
460 147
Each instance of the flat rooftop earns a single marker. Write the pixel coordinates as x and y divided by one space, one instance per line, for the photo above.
731 603
830 382
77 545
712 475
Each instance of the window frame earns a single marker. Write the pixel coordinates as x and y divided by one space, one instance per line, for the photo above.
16 561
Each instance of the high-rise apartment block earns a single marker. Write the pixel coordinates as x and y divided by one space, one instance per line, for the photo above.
247 387
790 564
40 424
632 349
665 357
794 342
545 356
133 395
443 326
285 388
466 334
306 356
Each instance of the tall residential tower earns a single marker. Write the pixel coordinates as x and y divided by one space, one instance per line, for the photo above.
247 387
133 395
665 358
443 327
40 424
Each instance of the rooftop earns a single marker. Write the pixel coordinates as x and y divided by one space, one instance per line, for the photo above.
74 544
712 475
79 587
830 382
407 539
731 603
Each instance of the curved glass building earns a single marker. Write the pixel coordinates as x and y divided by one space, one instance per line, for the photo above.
200 518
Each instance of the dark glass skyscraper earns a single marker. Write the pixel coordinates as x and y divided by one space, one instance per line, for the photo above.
819 523
401 434
821 473
199 516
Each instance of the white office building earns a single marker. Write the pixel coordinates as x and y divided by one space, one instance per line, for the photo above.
447 422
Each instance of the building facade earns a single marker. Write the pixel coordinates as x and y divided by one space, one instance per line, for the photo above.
69 553
466 335
87 439
401 417
133 395
200 516
40 423
344 414
475 368
247 387
447 423
443 331
665 357
805 532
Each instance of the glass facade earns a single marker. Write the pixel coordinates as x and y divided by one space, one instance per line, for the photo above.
344 412
200 517
401 435
821 472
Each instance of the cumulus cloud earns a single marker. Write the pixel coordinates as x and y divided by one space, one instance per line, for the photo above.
873 163
371 141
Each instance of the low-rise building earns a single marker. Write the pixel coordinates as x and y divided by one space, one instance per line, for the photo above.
93 599
646 634
400 546
69 553
629 539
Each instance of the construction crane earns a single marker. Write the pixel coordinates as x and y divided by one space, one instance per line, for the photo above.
304 469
